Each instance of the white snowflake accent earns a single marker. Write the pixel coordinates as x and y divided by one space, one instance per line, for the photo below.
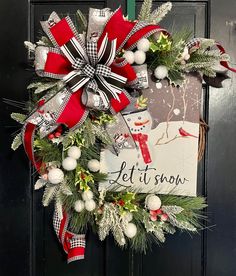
176 111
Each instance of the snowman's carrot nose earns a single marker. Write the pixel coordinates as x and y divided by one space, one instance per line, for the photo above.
141 123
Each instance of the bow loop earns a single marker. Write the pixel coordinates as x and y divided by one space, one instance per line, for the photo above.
78 64
89 71
103 70
92 86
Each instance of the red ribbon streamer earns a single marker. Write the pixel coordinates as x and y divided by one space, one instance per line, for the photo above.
28 140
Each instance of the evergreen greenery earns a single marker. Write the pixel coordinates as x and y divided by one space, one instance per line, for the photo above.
184 213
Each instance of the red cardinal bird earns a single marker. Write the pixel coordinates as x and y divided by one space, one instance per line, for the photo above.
184 133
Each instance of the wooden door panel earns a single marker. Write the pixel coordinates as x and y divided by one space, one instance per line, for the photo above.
221 241
15 190
181 254
28 242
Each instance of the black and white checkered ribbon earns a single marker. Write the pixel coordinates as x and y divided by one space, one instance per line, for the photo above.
92 69
73 244
194 42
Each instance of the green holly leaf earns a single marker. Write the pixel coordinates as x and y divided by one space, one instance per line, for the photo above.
141 102
104 118
127 197
176 77
131 207
125 201
163 44
83 178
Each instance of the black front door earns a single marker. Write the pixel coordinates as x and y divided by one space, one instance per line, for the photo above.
28 243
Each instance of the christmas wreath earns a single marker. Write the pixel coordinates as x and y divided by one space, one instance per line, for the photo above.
87 78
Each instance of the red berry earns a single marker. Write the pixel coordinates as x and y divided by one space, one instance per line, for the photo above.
153 218
121 202
41 103
51 136
57 134
164 217
158 211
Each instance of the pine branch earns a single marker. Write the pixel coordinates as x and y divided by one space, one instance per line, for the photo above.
17 141
58 205
158 14
145 10
49 194
47 151
44 41
30 46
18 117
111 222
81 22
43 86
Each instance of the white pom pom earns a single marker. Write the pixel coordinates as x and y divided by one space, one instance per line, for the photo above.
55 176
187 57
74 152
129 56
143 44
139 57
94 165
130 230
69 164
153 202
185 51
161 72
79 206
128 216
87 195
90 205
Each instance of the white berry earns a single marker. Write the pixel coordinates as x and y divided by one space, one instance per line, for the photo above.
90 205
185 51
74 152
130 230
69 164
187 57
79 206
139 57
129 56
153 202
55 176
94 165
161 72
143 44
87 195
128 216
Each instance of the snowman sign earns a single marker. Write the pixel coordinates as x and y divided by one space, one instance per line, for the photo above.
164 125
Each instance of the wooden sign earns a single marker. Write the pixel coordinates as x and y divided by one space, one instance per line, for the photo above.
164 124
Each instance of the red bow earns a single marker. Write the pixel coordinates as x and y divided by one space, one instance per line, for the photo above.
142 140
58 64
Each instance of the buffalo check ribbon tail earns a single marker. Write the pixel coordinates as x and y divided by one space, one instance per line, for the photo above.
73 244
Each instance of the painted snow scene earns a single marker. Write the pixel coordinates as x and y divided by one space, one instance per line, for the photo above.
163 124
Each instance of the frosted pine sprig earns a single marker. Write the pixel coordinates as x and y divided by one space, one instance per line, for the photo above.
158 14
145 11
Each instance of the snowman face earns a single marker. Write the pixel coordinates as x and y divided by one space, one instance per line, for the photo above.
140 122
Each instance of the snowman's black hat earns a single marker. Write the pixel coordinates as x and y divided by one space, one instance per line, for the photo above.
134 107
